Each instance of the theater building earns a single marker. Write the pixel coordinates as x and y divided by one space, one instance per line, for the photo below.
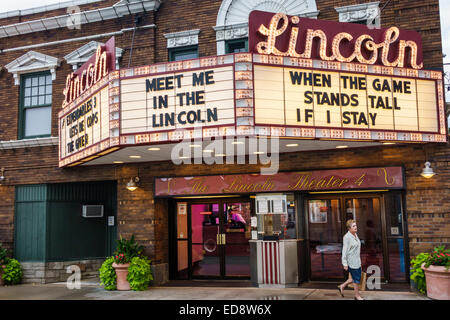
233 138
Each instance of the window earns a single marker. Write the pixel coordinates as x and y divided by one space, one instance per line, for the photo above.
235 46
35 105
184 53
364 22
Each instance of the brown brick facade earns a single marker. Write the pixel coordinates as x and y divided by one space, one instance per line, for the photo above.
139 213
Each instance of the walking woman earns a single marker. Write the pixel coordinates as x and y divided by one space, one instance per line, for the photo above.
351 259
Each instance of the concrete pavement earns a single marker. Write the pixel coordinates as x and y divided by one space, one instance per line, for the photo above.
91 290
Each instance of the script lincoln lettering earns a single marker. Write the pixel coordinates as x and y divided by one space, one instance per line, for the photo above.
364 42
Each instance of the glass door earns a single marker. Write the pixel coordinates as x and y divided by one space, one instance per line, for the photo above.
206 229
217 244
237 230
327 219
367 214
325 238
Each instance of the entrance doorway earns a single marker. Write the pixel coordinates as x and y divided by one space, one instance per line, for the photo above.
327 218
213 238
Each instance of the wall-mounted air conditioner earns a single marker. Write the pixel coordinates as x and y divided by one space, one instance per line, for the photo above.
93 211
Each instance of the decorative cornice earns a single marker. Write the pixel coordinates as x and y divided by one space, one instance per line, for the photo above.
118 10
29 143
236 31
232 12
30 62
82 54
182 39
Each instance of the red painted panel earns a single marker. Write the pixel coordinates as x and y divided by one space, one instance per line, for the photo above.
339 179
331 29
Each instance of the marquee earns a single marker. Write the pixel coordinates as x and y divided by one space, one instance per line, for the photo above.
276 89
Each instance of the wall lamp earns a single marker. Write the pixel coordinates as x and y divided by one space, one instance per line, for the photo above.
2 176
427 172
132 184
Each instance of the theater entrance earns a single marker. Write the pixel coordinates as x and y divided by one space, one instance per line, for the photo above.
327 216
212 238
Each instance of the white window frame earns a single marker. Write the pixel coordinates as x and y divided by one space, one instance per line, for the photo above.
366 11
81 55
30 62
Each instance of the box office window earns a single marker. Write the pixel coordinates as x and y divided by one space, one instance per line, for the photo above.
184 53
35 105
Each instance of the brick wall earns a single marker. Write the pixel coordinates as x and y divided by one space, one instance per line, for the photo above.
427 200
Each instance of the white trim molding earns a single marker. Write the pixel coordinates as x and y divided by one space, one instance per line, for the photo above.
71 20
232 18
359 12
28 143
32 61
182 39
79 56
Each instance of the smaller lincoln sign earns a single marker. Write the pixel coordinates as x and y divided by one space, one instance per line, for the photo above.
343 179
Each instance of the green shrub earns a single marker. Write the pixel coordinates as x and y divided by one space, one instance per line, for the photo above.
417 274
108 274
12 272
139 273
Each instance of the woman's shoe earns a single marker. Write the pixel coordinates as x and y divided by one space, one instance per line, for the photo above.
340 291
359 299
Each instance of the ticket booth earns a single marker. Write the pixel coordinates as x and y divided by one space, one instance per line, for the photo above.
272 246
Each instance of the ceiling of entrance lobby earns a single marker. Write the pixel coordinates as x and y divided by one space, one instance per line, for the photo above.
198 149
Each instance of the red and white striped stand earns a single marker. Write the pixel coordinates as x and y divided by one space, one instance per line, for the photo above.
272 269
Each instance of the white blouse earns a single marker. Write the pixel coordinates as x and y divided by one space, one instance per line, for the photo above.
351 250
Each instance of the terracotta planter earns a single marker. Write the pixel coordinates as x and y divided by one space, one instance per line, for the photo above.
122 272
438 282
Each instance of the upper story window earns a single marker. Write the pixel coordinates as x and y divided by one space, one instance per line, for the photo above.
82 54
35 105
232 19
185 53
34 72
365 13
182 45
236 46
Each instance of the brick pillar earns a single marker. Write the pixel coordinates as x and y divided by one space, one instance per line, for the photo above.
7 216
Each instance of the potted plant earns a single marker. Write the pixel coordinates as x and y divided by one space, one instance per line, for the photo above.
437 274
124 254
127 269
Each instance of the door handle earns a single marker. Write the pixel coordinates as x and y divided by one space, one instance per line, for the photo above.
223 239
218 238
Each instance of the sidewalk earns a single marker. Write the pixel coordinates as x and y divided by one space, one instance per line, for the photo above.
91 290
